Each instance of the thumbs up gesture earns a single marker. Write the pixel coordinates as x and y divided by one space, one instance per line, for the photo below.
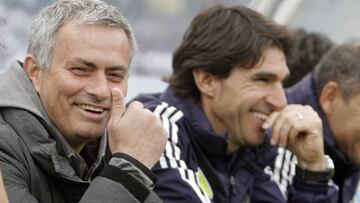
135 131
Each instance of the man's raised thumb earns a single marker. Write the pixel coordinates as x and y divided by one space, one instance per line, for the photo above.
118 103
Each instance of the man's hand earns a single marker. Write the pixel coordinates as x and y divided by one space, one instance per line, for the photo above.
135 131
3 195
299 128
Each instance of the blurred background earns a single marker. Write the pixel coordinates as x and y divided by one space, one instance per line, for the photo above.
160 24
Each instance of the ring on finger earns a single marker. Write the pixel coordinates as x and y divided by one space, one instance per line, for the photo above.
300 116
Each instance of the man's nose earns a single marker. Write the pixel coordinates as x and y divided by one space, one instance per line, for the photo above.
99 87
277 98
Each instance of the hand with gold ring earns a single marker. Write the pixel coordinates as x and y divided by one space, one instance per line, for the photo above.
299 128
300 116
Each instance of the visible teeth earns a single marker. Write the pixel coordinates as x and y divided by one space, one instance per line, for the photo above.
91 108
260 116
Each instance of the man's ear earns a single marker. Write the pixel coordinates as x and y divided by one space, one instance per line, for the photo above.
204 81
33 71
330 95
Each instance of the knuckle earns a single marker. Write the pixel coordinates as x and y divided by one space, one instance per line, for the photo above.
309 108
152 117
136 105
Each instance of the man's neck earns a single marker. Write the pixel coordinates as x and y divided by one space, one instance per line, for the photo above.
232 147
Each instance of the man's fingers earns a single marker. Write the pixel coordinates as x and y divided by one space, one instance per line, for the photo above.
269 123
277 135
284 134
136 105
118 103
293 135
271 119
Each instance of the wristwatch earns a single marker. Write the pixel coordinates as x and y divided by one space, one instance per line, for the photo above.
317 176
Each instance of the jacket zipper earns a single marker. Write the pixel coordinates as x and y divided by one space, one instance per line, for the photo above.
232 185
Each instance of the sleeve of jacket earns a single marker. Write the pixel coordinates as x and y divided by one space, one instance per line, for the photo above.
301 191
15 170
117 183
267 190
15 185
106 190
296 189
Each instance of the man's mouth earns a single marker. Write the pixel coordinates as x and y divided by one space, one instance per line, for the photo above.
260 116
91 108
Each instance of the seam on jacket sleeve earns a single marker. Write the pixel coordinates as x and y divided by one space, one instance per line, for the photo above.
138 190
132 170
137 164
302 185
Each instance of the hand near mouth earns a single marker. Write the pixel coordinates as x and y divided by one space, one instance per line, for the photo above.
299 128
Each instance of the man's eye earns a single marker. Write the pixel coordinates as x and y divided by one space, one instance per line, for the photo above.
265 80
116 77
79 70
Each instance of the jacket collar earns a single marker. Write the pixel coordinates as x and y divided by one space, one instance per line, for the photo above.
19 91
198 124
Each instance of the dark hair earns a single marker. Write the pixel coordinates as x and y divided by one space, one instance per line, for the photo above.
341 65
309 47
220 38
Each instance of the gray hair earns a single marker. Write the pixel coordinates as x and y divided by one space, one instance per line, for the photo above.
46 25
341 65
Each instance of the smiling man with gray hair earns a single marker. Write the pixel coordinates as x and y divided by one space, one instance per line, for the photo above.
65 135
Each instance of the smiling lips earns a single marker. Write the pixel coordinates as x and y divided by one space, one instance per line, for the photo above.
91 108
260 116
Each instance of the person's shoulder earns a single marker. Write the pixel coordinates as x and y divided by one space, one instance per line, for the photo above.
148 97
301 90
10 141
172 117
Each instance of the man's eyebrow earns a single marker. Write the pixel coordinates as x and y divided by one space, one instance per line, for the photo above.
93 65
269 75
118 68
85 62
